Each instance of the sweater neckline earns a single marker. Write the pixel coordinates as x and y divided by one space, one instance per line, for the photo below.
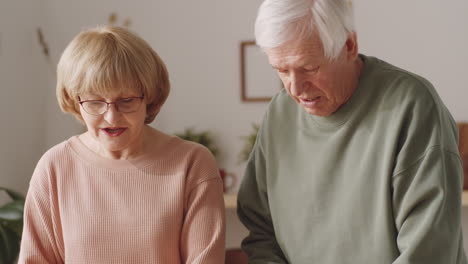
95 159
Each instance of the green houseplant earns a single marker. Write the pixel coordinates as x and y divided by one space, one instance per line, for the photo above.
204 138
249 142
11 226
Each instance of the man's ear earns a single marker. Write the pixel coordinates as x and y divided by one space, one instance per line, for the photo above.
351 46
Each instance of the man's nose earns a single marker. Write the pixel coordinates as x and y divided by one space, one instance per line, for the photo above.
297 84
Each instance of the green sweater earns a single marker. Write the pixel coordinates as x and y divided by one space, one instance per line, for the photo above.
377 182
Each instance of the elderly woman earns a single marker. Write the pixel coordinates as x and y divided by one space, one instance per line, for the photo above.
121 192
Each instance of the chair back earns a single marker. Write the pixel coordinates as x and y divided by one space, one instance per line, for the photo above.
463 148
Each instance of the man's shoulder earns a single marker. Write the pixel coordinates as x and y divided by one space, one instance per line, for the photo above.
415 107
399 84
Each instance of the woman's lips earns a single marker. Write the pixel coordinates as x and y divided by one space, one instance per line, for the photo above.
113 131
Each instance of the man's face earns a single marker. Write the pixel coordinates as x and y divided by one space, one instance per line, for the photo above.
320 86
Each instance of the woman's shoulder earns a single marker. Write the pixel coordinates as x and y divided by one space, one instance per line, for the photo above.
177 146
50 162
59 151
186 155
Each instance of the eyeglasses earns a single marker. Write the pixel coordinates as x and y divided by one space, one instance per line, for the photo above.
124 105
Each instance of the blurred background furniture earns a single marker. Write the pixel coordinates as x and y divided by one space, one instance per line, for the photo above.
235 256
463 148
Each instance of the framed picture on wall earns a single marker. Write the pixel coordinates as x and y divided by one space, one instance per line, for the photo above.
259 81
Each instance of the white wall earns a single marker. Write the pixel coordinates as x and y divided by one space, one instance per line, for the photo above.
199 41
23 84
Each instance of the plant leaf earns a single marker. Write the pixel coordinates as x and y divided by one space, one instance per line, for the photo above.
9 246
12 211
15 226
249 142
13 194
204 138
19 205
4 255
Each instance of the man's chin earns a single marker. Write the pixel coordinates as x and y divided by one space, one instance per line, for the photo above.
317 112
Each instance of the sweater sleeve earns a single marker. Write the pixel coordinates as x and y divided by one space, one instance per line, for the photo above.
39 243
203 230
253 210
426 204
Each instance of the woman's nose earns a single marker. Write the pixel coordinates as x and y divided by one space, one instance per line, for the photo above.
112 114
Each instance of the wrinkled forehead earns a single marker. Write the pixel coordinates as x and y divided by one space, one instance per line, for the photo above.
295 52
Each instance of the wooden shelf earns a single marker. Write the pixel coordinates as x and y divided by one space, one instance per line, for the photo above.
230 200
465 198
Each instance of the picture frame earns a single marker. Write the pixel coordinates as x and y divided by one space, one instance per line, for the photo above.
259 81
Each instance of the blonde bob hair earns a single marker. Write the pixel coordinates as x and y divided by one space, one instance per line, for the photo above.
111 60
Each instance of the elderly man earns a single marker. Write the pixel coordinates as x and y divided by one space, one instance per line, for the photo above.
356 160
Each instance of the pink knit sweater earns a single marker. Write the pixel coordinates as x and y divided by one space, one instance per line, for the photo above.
164 207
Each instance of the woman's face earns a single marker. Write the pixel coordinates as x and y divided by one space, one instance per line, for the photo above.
114 134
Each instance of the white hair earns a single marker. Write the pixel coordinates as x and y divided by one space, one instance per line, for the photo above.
279 21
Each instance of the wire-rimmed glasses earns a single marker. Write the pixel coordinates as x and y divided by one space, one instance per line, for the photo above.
124 105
